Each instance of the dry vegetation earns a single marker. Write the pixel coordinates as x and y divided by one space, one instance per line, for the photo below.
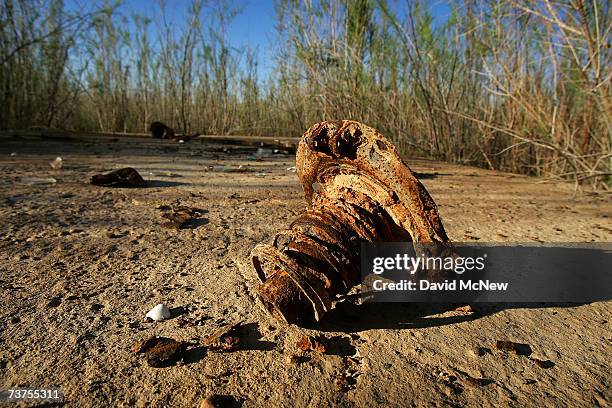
522 86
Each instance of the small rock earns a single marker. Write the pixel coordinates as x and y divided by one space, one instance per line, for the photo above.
224 339
57 163
160 351
126 177
180 215
465 309
145 345
176 219
159 312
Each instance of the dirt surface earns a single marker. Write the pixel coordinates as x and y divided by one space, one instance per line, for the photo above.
82 265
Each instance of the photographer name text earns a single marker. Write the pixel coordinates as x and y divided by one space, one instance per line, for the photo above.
446 286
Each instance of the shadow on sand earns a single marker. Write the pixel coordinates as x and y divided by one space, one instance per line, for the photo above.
427 176
349 317
164 183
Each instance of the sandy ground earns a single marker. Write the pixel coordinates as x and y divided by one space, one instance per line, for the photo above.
81 265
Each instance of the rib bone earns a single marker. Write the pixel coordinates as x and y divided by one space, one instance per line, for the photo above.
358 189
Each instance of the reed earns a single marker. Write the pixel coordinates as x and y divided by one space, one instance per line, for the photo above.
509 85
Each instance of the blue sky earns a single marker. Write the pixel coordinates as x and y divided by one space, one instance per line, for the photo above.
254 26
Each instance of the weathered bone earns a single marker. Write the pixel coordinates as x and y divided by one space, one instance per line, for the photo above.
358 189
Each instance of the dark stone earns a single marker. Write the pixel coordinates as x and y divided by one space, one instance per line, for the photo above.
126 177
160 130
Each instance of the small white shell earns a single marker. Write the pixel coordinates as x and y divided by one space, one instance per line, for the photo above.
159 312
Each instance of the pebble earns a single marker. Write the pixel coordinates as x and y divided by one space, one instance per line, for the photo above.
57 163
159 312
